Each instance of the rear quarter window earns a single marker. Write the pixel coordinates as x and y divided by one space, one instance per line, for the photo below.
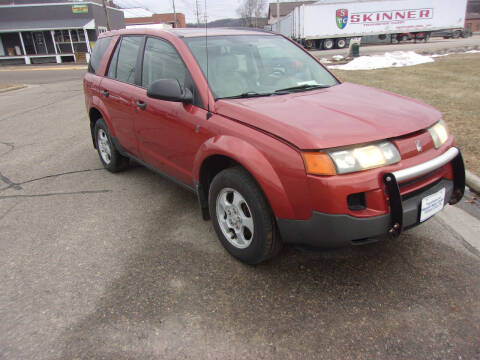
101 46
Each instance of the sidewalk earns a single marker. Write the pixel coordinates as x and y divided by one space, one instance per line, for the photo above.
44 67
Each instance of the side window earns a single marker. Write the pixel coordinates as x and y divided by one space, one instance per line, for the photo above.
122 66
99 50
161 61
112 69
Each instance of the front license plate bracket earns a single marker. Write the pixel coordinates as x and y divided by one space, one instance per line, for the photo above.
396 207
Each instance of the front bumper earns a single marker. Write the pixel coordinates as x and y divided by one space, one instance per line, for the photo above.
336 230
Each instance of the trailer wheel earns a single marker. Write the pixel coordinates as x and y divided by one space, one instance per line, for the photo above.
341 43
427 37
328 44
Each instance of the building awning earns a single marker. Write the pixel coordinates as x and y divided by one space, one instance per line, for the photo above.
53 24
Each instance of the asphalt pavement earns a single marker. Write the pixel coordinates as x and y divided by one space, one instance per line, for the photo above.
121 266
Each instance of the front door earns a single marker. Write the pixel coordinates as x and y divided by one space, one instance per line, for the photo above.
169 133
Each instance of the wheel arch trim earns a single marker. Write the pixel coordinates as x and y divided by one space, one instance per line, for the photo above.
98 105
252 159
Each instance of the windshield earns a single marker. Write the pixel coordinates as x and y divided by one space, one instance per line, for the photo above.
256 65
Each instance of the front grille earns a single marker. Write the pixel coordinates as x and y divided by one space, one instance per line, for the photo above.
418 191
419 179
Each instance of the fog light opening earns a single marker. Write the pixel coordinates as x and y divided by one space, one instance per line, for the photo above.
357 202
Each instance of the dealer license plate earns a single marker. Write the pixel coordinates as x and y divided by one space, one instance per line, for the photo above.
432 204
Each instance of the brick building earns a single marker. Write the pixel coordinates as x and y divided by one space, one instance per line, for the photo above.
138 16
472 21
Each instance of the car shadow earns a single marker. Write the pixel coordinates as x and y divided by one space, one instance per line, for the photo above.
180 295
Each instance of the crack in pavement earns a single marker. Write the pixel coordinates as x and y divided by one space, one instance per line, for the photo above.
18 186
9 182
56 194
60 174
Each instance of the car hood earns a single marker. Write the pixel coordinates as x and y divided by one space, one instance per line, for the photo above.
341 115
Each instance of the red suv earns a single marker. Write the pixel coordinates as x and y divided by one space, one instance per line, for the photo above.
276 148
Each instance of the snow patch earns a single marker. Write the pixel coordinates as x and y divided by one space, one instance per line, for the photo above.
472 52
389 59
338 57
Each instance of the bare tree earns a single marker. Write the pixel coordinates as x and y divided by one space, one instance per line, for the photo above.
250 10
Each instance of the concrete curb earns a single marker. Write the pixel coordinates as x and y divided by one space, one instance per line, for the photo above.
473 181
11 88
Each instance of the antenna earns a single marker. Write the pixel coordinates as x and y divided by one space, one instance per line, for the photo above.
206 49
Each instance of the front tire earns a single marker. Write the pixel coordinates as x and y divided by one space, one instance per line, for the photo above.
111 159
241 217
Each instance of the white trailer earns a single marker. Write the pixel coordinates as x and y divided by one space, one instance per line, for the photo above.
328 24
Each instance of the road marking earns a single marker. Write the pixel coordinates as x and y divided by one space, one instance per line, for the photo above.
464 224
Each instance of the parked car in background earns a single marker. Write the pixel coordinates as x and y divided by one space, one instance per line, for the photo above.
452 33
276 148
425 36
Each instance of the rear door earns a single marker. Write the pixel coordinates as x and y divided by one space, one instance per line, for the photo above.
118 90
169 133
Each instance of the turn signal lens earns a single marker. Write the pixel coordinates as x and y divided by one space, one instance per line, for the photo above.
318 163
439 133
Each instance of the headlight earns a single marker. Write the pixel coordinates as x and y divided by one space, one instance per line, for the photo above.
439 133
343 161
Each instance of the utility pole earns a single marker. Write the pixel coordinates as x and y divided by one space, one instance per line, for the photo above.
106 14
198 13
174 14
278 16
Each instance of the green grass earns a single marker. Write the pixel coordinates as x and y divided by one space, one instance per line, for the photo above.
451 84
6 86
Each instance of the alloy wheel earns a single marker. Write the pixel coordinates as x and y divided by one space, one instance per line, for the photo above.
104 146
235 218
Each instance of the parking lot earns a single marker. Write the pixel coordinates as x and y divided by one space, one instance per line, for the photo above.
121 266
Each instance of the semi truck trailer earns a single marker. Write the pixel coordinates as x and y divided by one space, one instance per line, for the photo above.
331 24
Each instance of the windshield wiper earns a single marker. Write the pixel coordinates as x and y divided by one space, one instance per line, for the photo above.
248 94
302 87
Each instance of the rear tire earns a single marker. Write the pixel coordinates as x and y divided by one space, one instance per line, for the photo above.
241 217
328 44
341 43
111 159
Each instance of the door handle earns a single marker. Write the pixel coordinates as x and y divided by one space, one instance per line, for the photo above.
105 93
141 104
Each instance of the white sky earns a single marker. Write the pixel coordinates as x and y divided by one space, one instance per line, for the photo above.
216 9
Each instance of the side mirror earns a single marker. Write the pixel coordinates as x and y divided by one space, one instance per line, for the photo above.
169 90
